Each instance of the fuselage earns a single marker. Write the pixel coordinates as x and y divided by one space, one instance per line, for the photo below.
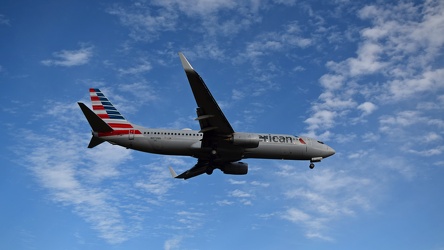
188 143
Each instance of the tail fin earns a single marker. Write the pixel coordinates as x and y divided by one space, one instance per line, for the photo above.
97 125
104 119
104 109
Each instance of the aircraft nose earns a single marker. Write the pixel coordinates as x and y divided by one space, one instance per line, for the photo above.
330 151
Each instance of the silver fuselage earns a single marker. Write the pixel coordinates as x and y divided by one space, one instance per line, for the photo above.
188 143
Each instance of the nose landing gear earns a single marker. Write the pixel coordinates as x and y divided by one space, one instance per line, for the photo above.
315 159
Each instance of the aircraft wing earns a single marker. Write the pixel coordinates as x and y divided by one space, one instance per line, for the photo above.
211 118
217 131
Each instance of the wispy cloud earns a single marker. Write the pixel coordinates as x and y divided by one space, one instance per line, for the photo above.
324 197
173 243
143 67
89 181
145 23
394 61
158 179
70 58
70 175
4 20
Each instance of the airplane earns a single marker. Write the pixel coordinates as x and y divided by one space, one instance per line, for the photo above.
216 145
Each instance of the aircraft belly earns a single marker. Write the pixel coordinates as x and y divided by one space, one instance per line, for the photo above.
278 151
169 146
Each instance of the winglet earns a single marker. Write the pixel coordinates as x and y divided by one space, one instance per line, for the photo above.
173 173
185 64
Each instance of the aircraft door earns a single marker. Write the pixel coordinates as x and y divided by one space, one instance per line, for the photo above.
131 134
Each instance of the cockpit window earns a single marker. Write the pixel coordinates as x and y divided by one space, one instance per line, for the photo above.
321 142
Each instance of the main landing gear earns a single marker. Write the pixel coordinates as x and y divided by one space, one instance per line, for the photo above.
210 168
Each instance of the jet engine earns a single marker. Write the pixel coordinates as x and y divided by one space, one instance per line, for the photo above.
236 168
245 140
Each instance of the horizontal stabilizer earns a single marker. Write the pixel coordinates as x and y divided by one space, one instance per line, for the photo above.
173 173
194 171
96 123
95 141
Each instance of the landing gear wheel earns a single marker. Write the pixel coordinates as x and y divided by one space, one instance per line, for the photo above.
312 165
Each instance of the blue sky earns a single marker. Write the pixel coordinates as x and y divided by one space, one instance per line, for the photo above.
364 76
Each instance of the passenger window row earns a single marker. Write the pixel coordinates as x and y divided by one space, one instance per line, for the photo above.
170 133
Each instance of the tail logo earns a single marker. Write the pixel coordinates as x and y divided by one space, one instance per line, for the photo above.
104 109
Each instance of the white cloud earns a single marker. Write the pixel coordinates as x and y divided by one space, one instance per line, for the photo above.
286 2
323 197
157 179
260 184
224 203
173 243
401 119
142 67
240 194
359 154
147 21
429 152
237 95
430 80
331 81
395 61
367 62
295 215
200 7
367 108
431 137
321 119
63 167
370 137
69 58
190 220
142 90
271 42
235 182
145 25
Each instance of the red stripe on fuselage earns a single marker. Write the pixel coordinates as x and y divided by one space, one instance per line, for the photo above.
120 132
120 125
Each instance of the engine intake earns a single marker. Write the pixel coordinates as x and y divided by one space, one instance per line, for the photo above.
245 140
235 168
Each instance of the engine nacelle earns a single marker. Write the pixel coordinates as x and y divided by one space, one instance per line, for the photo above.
245 140
236 168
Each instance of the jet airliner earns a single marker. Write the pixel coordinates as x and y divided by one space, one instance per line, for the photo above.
215 146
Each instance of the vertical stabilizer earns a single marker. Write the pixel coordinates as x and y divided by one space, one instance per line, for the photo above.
104 109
